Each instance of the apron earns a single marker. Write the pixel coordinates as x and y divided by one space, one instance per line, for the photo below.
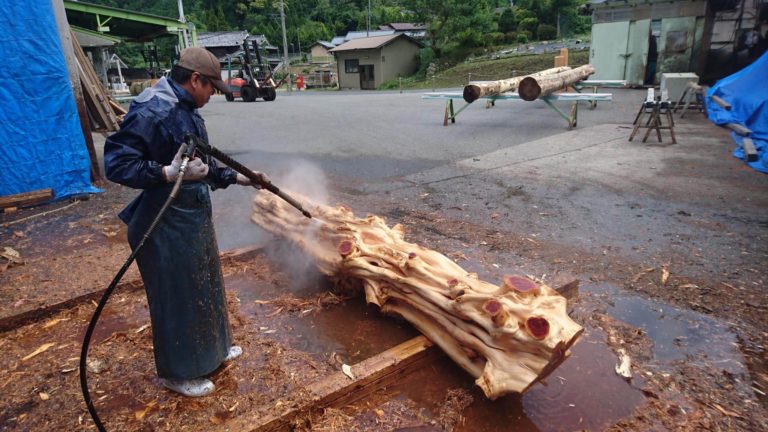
179 264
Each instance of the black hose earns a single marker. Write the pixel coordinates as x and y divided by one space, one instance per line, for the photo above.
108 292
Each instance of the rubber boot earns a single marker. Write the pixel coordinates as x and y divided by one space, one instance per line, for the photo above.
193 388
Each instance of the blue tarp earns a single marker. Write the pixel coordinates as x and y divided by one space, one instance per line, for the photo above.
747 92
41 142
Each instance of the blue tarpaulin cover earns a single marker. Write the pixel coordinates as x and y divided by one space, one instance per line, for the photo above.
41 142
747 92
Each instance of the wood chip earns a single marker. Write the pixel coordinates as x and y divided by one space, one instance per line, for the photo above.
347 371
53 322
44 396
41 349
664 275
624 368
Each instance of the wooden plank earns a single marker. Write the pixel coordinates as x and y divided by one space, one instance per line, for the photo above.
95 90
27 317
26 198
750 152
338 390
739 129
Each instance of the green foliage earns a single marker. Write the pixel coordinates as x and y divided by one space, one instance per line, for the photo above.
507 21
546 32
522 38
426 57
455 28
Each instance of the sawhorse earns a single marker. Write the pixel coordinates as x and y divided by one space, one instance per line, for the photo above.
654 108
571 118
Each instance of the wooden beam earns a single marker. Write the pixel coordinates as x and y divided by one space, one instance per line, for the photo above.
338 389
723 104
750 152
26 198
739 129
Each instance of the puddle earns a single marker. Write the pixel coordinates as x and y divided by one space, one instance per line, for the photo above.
677 334
356 331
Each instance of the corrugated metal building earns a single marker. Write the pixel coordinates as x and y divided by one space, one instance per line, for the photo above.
638 40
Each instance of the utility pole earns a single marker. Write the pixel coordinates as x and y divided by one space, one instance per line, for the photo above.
368 32
184 32
286 62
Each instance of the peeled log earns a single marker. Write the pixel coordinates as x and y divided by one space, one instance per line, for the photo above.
531 88
473 92
506 336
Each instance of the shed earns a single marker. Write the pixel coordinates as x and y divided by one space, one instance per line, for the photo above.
638 40
319 51
366 63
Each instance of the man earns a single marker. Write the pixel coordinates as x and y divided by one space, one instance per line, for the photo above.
179 263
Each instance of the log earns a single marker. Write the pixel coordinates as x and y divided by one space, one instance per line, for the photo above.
473 92
531 88
506 336
26 198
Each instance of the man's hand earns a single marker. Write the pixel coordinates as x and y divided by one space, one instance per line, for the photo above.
245 181
170 172
196 168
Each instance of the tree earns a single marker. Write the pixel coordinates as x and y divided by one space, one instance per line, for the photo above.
507 21
453 23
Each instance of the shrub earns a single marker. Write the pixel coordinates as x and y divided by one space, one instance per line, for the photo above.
546 32
522 38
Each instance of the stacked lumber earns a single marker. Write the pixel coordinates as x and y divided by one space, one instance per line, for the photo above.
475 91
104 113
506 336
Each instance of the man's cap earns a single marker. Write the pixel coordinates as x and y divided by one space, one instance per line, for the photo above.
204 62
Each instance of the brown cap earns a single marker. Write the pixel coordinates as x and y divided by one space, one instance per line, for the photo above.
203 61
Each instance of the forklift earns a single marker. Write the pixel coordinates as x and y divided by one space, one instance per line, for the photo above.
251 82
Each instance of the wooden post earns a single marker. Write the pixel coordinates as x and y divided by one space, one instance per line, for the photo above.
750 152
723 104
562 59
66 37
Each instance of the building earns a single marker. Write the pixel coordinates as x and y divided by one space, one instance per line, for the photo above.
366 63
320 52
416 31
638 40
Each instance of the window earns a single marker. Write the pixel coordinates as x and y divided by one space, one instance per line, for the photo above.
350 66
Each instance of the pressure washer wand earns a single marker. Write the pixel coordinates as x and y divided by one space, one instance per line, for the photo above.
237 166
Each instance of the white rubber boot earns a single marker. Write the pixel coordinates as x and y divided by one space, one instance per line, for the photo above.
192 388
234 352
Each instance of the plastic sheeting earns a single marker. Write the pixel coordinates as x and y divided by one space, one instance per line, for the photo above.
42 142
747 92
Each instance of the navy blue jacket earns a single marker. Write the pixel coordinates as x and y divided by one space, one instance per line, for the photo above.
149 137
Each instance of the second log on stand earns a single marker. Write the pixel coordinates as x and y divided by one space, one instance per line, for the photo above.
531 88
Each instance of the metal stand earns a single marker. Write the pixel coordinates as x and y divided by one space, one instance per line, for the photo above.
650 117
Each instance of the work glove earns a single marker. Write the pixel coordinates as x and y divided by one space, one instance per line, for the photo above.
196 168
245 181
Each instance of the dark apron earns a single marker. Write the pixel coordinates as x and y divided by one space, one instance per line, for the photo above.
179 264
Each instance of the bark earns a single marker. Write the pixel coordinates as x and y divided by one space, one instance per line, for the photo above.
507 336
531 88
473 92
